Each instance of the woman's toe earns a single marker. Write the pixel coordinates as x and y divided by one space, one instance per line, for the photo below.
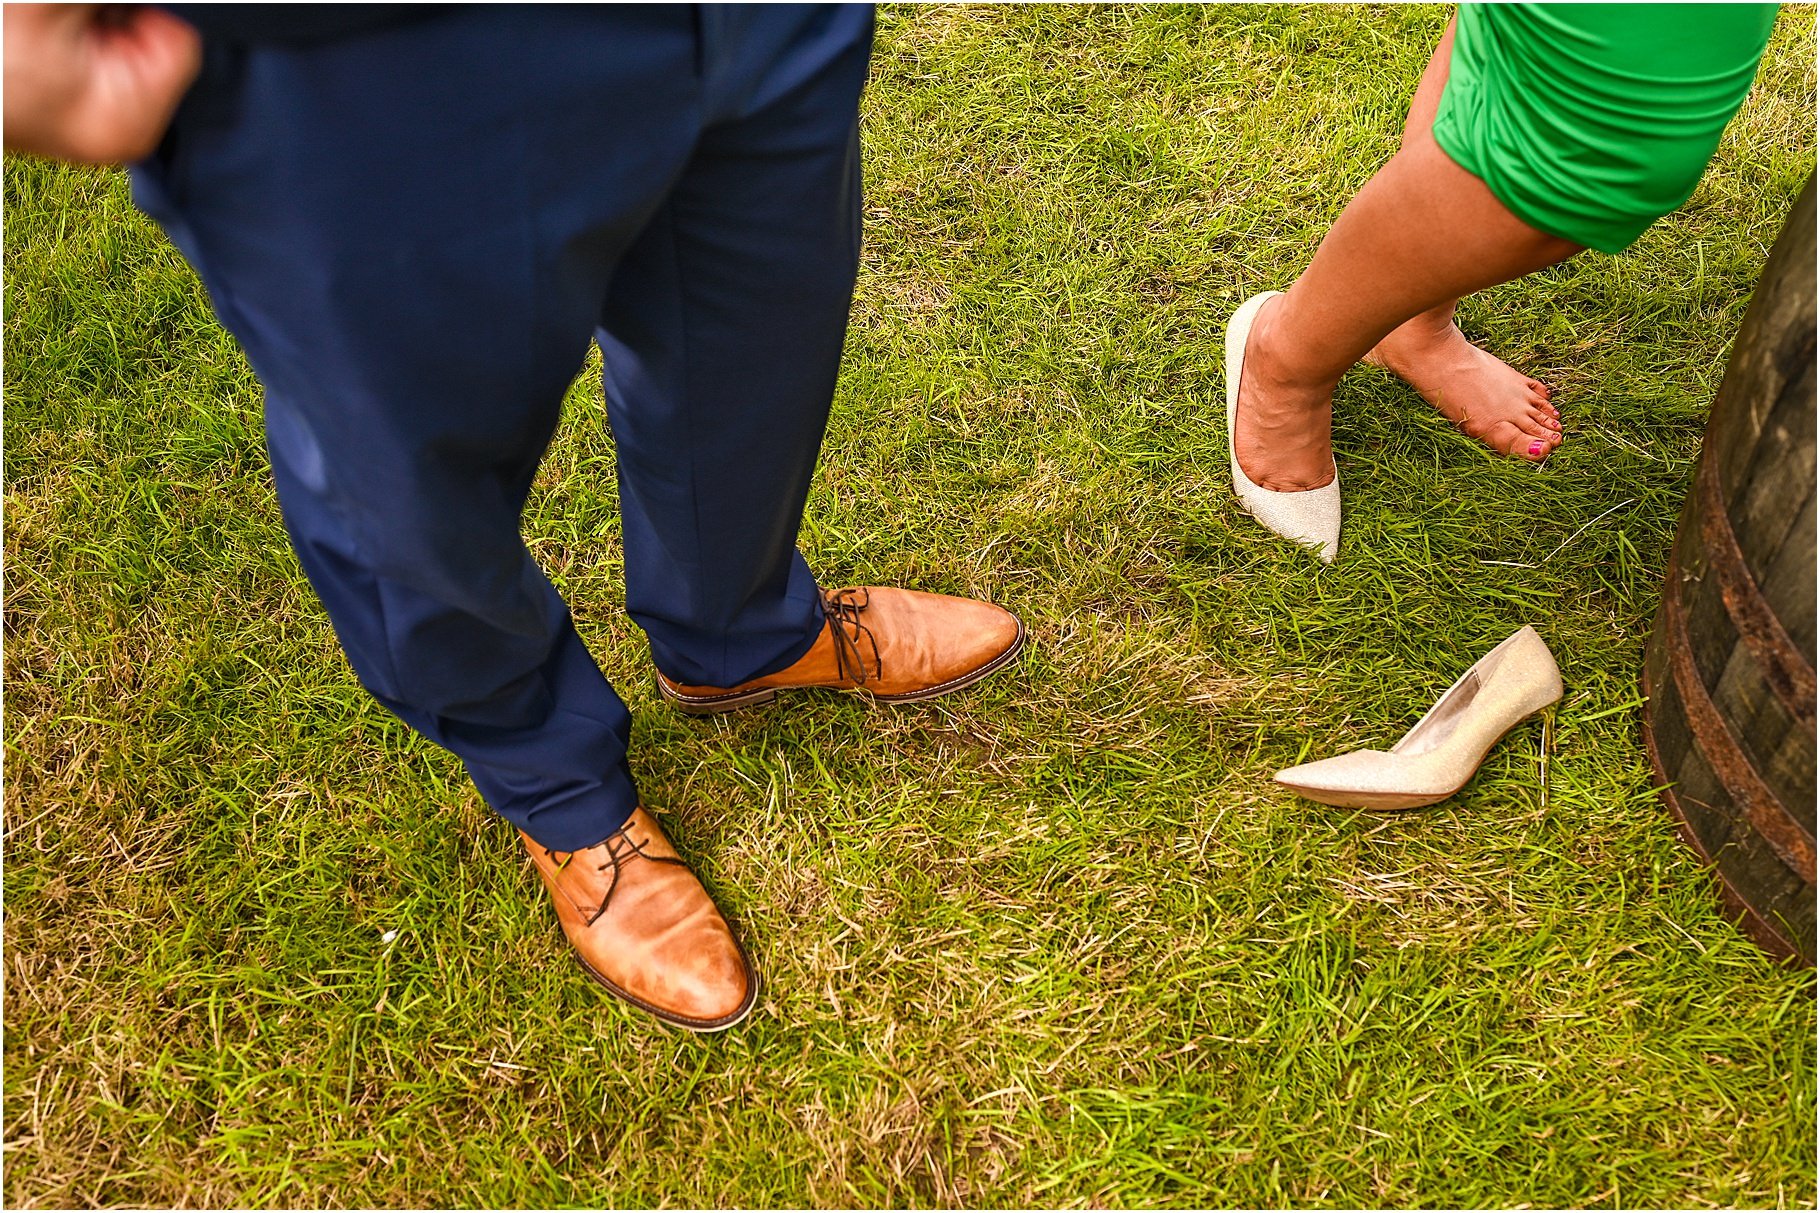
1507 438
1534 424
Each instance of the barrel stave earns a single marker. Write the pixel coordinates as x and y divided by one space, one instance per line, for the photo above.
1729 672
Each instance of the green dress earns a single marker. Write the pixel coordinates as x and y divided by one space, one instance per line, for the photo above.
1591 121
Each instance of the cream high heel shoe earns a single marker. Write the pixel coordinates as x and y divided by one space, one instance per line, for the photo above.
1436 758
1310 517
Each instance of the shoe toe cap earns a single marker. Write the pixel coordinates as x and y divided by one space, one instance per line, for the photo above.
714 986
1362 770
930 641
1369 779
978 629
993 627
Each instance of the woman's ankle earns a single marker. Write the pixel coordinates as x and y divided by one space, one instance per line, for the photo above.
1275 360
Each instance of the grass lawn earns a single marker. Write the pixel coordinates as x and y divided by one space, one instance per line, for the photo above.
1056 940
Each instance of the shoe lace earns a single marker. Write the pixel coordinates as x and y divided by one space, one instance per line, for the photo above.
621 848
843 609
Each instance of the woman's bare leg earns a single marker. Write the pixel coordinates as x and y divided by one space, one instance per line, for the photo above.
1485 396
1419 235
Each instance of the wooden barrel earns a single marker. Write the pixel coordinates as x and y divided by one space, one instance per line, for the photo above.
1729 674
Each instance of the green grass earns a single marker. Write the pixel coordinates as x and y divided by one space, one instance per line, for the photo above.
1056 940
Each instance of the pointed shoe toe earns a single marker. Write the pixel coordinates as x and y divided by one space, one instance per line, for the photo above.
1444 750
1310 517
1364 779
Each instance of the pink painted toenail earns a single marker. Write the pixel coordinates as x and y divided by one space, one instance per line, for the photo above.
1535 448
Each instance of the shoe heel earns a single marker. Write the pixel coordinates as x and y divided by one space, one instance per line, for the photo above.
1548 749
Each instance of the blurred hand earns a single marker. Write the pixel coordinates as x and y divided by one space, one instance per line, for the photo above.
94 82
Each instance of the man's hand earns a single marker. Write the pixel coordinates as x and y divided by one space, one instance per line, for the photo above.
94 82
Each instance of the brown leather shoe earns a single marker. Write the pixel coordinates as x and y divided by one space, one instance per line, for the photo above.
643 927
895 645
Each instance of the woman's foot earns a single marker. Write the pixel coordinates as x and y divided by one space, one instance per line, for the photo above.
1282 434
1486 397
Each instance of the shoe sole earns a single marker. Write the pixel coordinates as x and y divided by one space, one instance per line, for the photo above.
687 1023
713 705
1376 802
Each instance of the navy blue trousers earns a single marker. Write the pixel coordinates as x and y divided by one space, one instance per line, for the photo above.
415 231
